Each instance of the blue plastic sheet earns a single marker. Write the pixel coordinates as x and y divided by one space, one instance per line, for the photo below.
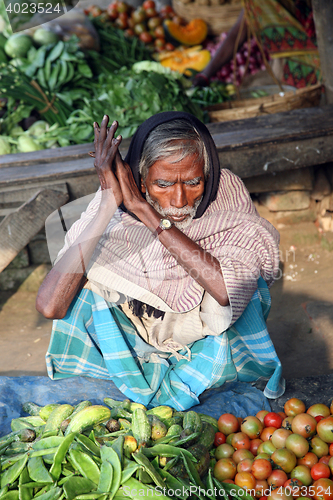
239 398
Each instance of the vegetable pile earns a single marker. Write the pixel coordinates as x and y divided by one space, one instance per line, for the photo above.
105 451
278 456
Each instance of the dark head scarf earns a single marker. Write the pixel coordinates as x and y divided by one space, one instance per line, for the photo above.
136 147
133 158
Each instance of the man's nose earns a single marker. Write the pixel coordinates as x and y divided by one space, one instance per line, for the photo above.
179 198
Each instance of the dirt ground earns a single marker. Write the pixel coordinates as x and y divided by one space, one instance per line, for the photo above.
300 321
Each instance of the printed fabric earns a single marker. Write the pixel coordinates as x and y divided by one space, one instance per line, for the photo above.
96 339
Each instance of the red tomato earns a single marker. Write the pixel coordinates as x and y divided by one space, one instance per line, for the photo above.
170 47
225 468
241 440
272 419
149 4
245 480
219 436
261 468
252 426
322 489
277 478
146 37
167 12
309 459
331 449
325 459
95 11
261 415
325 429
159 45
255 443
261 488
319 471
245 465
293 407
318 418
159 32
267 433
227 423
304 424
294 486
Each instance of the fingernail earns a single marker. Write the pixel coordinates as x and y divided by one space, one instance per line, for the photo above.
114 122
105 117
119 137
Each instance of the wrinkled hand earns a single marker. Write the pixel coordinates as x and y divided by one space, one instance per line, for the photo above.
106 148
132 196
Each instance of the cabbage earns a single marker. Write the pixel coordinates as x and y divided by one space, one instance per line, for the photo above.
38 128
5 148
16 131
26 144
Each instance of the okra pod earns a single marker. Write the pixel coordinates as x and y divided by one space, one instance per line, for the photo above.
166 450
142 460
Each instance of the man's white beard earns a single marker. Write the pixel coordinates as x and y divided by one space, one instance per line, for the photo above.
176 212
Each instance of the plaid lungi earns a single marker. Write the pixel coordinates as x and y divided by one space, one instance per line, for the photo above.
96 339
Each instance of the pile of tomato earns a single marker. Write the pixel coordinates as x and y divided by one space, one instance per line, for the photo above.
278 455
144 21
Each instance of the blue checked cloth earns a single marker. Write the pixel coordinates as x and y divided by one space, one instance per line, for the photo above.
96 339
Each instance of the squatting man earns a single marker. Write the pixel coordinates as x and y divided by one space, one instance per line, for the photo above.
162 284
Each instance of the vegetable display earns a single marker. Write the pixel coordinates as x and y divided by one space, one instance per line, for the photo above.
121 449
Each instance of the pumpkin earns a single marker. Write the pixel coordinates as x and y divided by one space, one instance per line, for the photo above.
185 60
193 33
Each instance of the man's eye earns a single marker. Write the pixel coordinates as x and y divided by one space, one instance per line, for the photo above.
164 184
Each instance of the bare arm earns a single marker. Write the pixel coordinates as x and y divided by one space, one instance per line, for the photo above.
224 53
67 276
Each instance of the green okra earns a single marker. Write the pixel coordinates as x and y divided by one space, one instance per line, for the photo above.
12 473
110 455
38 471
85 465
172 483
166 450
24 493
142 460
77 485
185 440
59 456
89 444
105 478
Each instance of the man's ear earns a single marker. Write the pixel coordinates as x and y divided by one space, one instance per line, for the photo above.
143 187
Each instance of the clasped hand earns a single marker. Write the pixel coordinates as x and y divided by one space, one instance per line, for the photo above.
115 175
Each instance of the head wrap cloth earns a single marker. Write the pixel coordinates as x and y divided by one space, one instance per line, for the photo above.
136 147
227 226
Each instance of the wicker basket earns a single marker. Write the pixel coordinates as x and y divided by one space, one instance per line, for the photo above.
219 18
248 108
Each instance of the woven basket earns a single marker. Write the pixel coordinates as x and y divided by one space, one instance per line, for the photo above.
248 108
219 18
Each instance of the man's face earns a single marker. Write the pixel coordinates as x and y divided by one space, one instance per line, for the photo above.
175 190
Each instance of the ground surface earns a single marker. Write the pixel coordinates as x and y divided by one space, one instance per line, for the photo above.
300 321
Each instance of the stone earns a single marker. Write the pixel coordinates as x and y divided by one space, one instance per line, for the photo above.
326 222
21 260
285 200
35 278
38 250
294 180
296 216
322 186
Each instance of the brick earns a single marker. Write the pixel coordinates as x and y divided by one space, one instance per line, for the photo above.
293 180
285 200
296 216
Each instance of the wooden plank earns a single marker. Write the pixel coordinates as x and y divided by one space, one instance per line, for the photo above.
53 155
13 197
17 229
248 162
284 141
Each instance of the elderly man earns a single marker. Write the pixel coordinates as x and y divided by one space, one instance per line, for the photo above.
162 284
